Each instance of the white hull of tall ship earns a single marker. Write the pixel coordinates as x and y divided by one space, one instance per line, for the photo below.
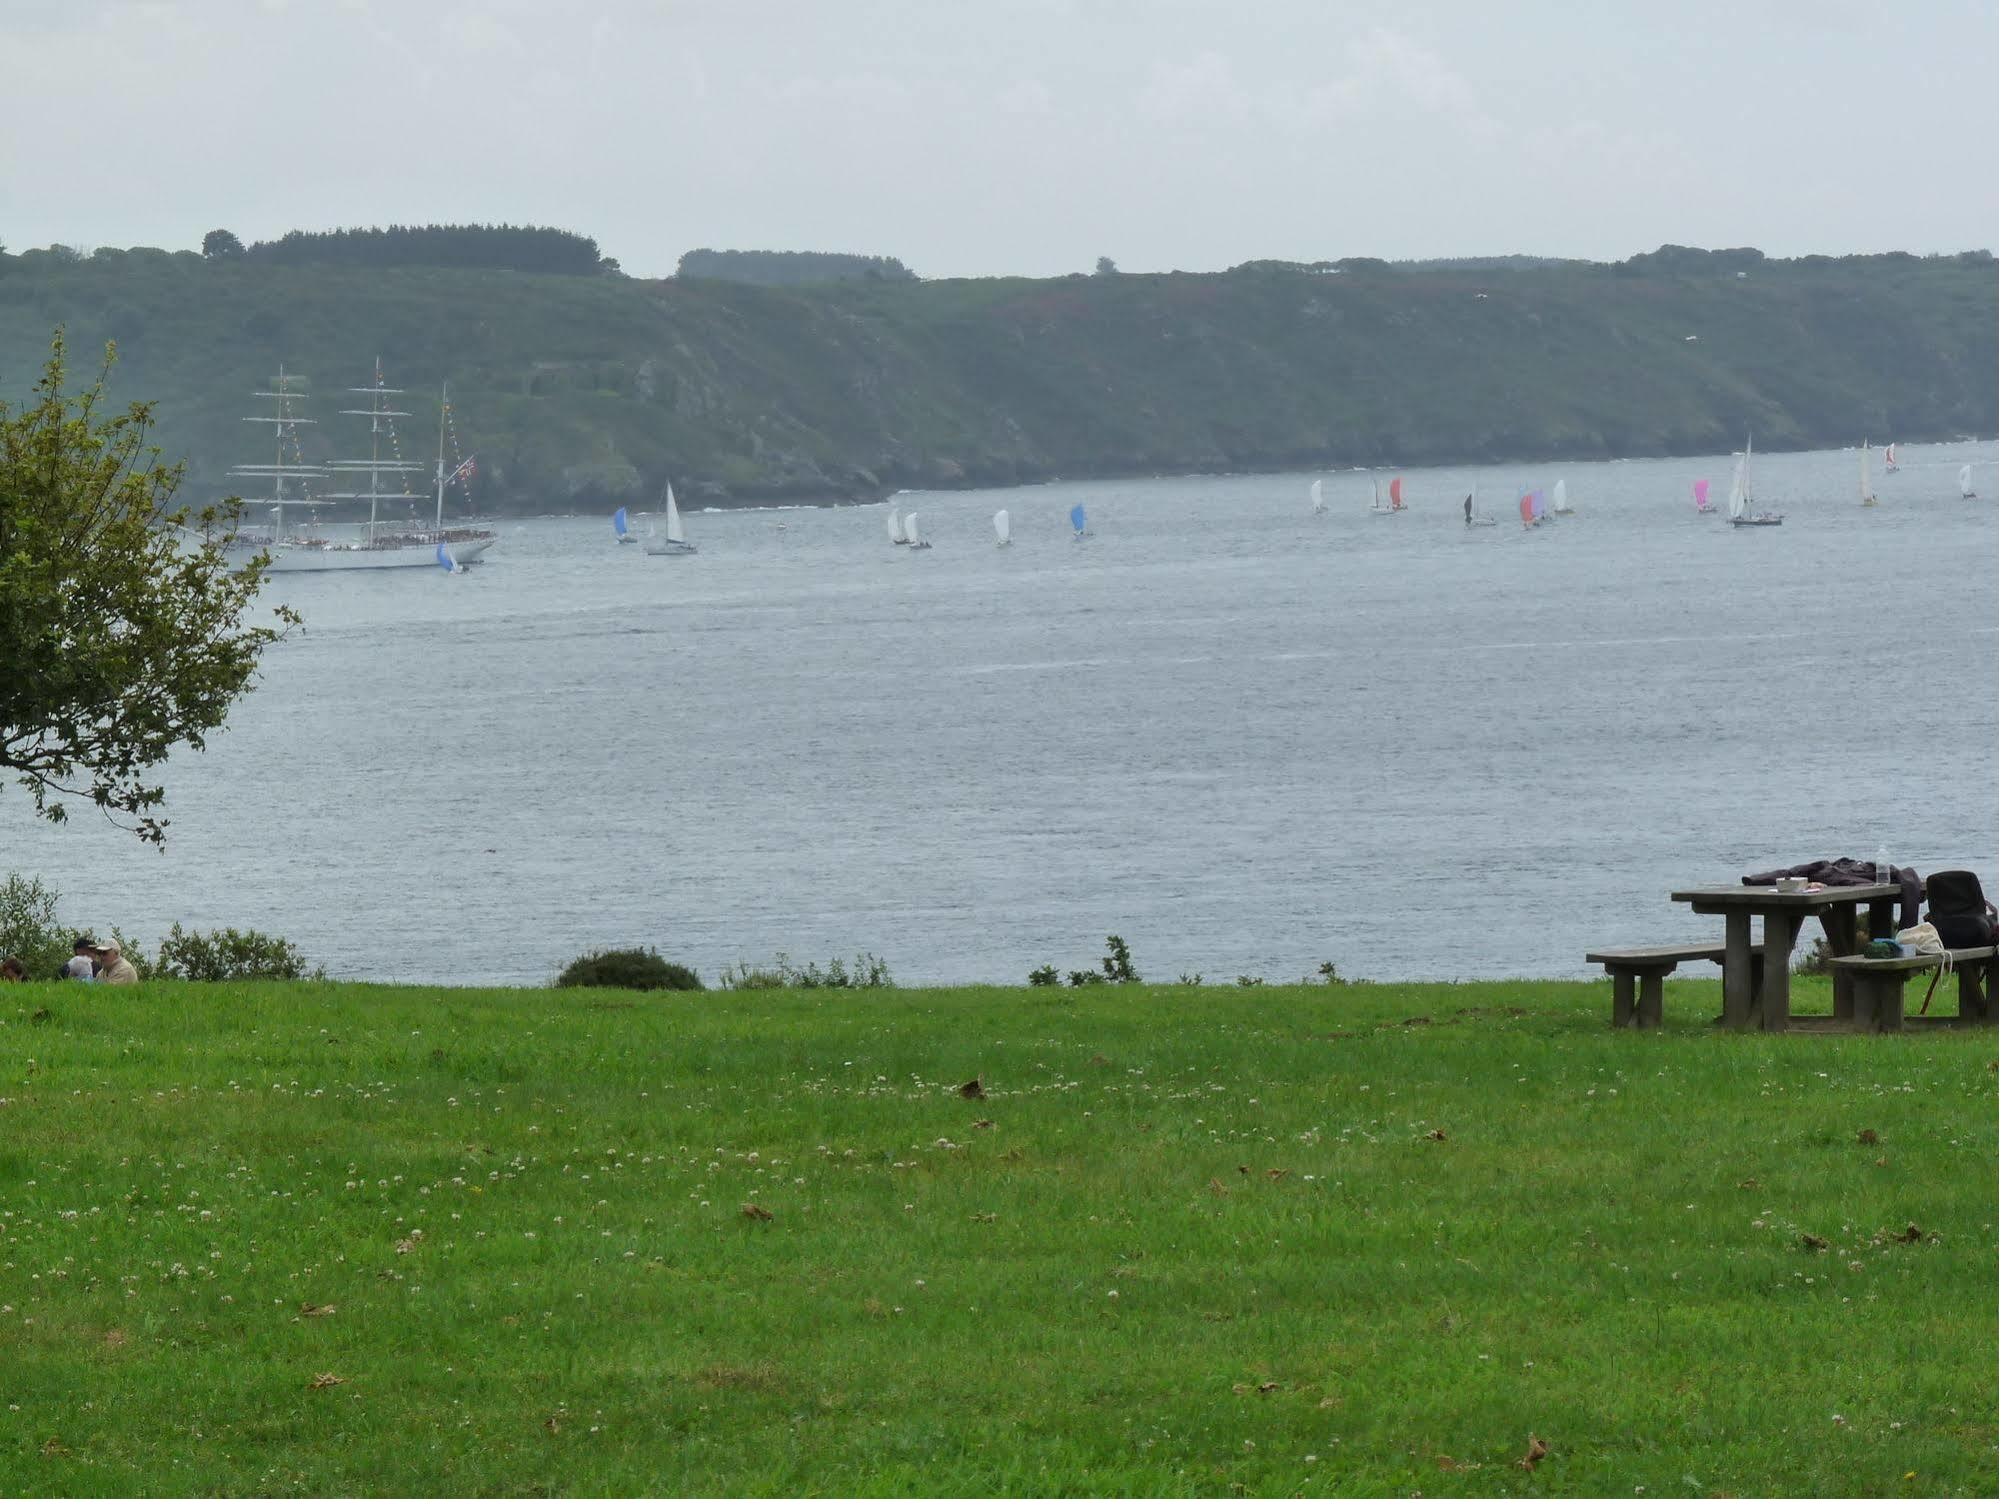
340 557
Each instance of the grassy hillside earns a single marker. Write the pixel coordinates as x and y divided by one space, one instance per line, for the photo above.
583 391
336 1239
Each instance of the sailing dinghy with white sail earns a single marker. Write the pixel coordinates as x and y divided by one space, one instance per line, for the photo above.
1318 497
1002 529
911 538
675 542
1742 509
1472 516
1866 475
1964 488
896 535
1561 504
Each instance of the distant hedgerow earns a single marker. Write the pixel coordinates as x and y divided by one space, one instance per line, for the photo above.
627 968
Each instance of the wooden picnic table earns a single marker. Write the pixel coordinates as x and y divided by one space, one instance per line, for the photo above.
1743 1003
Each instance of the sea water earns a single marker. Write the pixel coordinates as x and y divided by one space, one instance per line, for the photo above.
1245 738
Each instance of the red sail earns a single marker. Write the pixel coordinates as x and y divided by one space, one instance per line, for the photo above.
1395 493
1526 510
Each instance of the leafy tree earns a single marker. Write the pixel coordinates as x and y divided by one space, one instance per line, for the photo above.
1106 266
220 244
790 267
504 247
122 628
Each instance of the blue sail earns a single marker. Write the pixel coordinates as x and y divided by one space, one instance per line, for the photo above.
619 523
445 560
1076 518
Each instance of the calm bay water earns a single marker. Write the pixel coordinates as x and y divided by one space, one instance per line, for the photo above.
1246 738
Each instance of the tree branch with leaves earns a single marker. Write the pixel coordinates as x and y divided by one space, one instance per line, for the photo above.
125 632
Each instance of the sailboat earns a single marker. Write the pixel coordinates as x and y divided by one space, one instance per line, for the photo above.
1964 483
1472 517
675 542
1561 505
915 542
1526 509
1888 458
388 542
1078 522
1377 508
1741 509
1395 493
1002 529
621 527
1866 475
1701 505
896 534
1318 497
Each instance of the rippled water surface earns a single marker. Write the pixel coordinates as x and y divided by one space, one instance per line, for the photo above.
1247 738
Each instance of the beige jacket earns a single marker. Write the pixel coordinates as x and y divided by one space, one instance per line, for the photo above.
118 971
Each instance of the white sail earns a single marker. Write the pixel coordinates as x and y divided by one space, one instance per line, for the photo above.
1002 527
1318 496
1377 496
1964 482
1866 475
895 531
1561 506
909 529
1738 488
673 531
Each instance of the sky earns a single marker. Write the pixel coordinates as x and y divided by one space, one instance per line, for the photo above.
1010 136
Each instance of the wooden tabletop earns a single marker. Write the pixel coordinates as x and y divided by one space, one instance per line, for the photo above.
1769 895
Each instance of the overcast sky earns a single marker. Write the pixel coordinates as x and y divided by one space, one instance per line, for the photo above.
1011 136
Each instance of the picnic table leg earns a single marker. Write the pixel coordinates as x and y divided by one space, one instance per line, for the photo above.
1779 932
1652 998
1881 918
1622 1011
1842 935
1974 999
1738 986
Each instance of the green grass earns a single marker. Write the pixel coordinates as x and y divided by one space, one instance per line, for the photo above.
1283 1239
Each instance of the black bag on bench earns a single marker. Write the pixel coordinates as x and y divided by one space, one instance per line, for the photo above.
1959 910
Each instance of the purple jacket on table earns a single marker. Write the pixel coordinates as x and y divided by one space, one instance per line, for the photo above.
1851 872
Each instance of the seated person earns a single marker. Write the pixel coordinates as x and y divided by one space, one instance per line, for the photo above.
112 966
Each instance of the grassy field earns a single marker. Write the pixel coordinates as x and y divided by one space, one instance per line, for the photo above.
341 1239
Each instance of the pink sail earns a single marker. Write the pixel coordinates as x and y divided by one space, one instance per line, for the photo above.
1700 494
1395 493
1526 510
1540 502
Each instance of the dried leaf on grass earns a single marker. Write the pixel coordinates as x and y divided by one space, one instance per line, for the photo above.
982 1124
1749 1184
325 1381
309 1309
757 1212
1436 1134
114 1339
1536 1450
40 1017
406 1246
552 1426
1216 1188
1911 1235
54 1447
973 1089
1260 1389
1869 1137
1278 1173
1813 1242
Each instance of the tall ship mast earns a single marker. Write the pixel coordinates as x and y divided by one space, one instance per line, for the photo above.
287 474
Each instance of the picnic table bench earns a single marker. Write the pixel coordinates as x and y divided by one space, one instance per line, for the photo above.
1878 984
1644 970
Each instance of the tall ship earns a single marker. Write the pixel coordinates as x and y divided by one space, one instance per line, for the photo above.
382 478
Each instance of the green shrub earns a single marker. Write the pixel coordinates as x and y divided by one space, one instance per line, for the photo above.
627 968
219 957
28 929
867 972
1046 976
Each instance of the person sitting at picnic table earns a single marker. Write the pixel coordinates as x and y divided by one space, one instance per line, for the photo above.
80 968
112 966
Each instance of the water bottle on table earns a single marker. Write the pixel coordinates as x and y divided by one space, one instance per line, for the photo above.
1884 872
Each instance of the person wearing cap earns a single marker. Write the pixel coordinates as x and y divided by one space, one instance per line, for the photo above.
112 965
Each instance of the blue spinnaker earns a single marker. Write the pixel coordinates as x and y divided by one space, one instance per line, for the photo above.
619 523
1076 518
